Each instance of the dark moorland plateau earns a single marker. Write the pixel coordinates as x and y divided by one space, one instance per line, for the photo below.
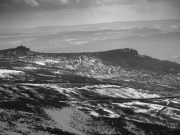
101 93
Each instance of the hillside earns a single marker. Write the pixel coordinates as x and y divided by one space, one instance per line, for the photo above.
95 93
121 63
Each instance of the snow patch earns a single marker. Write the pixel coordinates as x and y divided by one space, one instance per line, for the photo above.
122 92
5 72
93 113
40 63
30 68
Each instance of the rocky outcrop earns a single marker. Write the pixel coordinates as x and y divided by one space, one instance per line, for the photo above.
18 51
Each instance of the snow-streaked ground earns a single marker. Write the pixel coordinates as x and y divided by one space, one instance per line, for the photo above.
78 111
26 68
30 67
79 97
104 90
40 63
124 93
46 61
6 72
117 91
73 120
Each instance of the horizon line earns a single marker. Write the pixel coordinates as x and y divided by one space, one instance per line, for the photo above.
88 24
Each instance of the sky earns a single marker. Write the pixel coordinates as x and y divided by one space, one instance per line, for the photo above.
35 13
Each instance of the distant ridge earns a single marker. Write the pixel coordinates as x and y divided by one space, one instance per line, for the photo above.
127 58
20 50
62 28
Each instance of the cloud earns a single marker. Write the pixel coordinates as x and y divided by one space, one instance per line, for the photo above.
60 2
73 12
4 5
120 2
32 2
80 3
17 1
15 6
71 4
29 2
132 2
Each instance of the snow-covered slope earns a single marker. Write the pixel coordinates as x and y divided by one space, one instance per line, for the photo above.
102 93
85 109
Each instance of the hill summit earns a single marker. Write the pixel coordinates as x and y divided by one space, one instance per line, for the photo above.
20 50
